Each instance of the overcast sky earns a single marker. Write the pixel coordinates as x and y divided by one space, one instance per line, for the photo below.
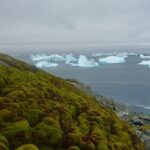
75 21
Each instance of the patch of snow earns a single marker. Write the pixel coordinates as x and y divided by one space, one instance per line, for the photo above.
45 64
112 60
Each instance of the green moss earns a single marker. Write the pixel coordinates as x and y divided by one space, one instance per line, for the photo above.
121 146
16 131
47 134
3 146
16 128
98 134
47 148
39 108
73 148
4 140
33 116
89 146
145 128
75 137
102 146
5 114
27 147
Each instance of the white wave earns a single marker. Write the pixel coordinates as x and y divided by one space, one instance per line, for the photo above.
45 64
144 56
112 60
143 106
145 62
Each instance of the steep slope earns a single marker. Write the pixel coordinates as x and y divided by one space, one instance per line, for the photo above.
49 112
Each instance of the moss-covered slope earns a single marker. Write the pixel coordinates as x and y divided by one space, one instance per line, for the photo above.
41 109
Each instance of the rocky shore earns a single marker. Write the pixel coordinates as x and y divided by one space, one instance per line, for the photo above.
138 120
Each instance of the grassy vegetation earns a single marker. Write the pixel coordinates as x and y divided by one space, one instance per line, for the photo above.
41 111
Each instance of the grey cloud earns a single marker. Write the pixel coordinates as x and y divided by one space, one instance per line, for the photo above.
103 21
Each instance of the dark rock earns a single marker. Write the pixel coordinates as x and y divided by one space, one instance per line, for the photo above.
137 121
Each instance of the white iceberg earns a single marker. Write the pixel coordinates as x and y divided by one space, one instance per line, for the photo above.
53 57
122 54
70 58
57 57
145 62
112 60
84 62
45 64
39 57
144 56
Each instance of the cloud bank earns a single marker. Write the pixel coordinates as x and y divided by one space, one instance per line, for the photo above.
48 21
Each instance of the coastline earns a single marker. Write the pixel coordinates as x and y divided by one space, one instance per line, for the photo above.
138 120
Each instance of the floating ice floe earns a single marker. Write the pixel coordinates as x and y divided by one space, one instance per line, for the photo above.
144 56
103 54
70 58
122 54
45 64
84 62
39 57
145 62
112 60
57 57
53 57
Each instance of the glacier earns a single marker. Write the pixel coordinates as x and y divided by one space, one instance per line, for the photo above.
112 60
45 64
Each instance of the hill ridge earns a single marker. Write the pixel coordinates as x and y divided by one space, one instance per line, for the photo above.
50 113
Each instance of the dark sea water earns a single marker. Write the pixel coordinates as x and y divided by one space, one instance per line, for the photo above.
127 83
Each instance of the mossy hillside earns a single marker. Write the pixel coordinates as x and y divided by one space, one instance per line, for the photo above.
49 112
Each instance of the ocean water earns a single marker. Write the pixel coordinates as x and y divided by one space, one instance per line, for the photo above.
127 83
